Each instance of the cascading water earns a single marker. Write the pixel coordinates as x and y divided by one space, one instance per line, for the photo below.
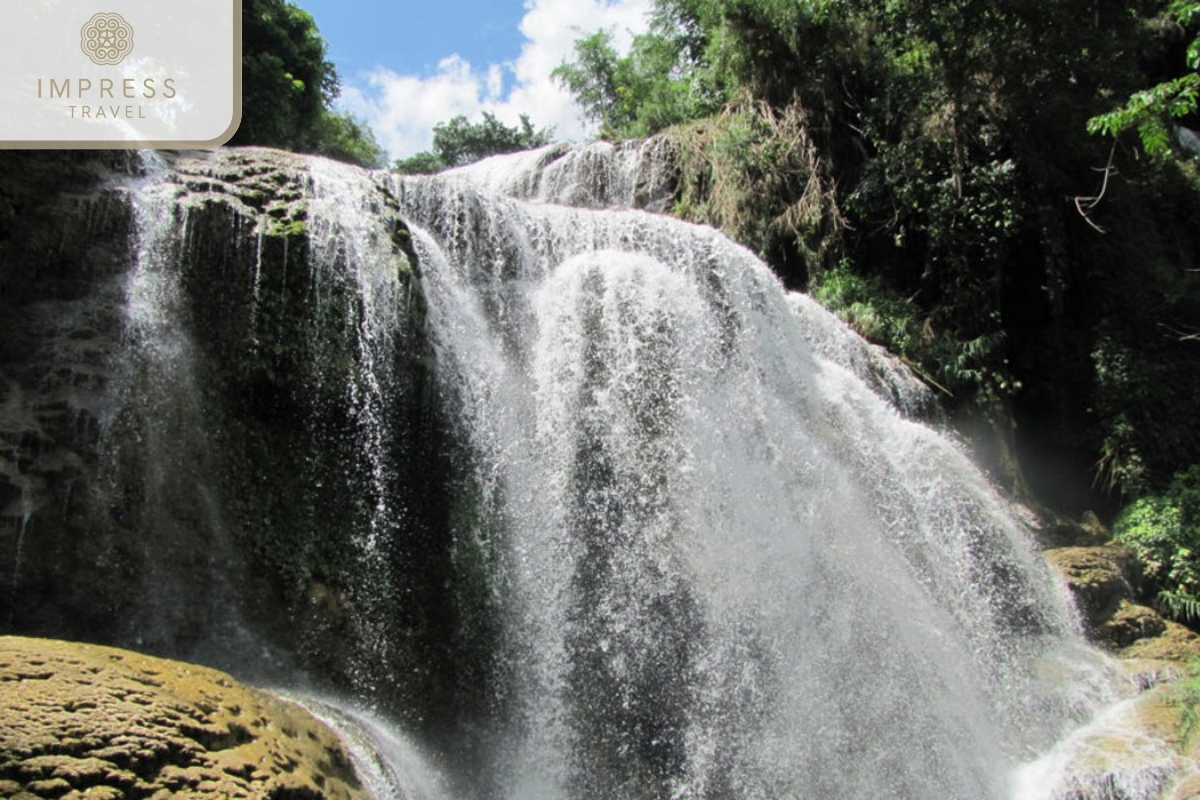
727 566
351 251
155 448
602 175
387 762
663 530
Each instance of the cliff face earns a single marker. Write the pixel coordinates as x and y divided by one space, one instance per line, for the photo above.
63 250
185 404
97 722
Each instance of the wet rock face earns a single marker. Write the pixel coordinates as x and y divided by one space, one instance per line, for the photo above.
96 722
1106 583
63 249
1099 579
180 453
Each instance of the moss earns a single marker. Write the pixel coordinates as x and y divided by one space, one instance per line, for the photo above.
154 725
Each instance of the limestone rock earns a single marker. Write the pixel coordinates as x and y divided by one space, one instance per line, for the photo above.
1130 623
1099 579
1176 643
1056 530
83 721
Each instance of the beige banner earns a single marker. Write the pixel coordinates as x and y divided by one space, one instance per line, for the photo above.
120 73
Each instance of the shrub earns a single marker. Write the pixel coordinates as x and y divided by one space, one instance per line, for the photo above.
1163 531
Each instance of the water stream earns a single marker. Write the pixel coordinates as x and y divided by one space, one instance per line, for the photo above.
724 550
732 565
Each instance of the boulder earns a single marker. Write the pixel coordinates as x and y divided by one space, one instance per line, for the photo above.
1099 580
83 721
1130 623
1176 643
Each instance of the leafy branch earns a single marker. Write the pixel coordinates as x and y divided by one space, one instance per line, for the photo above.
1148 112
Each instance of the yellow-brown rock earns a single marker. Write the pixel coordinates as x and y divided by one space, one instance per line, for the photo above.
1176 643
1098 577
84 721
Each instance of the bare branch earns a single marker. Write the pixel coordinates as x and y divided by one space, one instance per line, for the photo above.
1085 204
1192 335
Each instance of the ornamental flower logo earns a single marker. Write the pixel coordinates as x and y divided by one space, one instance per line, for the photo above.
106 39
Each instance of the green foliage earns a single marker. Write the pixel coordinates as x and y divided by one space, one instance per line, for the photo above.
1145 365
754 173
1185 695
1148 112
1121 466
423 163
345 138
877 313
636 94
954 365
1164 532
459 142
288 87
286 79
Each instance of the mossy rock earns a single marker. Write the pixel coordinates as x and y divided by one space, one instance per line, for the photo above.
1130 623
1099 579
83 721
1176 644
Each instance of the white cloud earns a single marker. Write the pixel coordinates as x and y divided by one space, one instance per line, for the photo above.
402 109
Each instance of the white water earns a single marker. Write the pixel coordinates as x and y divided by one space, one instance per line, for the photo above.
729 563
730 568
387 762
632 174
348 242
155 447
1111 757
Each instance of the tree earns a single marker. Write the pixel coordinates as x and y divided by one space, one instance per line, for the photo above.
286 80
458 142
659 83
343 137
1149 112
423 163
288 87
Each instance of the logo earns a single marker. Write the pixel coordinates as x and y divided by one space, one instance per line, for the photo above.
71 77
106 39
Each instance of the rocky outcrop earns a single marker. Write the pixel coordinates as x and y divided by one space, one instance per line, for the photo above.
82 721
1136 749
1100 579
1105 580
182 422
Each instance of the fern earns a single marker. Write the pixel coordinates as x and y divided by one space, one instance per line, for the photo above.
1179 605
1163 531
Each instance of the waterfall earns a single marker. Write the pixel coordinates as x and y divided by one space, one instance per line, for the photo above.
631 174
156 458
728 563
572 497
388 763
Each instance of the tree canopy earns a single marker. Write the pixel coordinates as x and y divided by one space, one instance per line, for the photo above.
1151 112
927 170
288 87
459 142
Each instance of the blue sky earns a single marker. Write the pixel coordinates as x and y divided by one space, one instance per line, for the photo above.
413 37
406 66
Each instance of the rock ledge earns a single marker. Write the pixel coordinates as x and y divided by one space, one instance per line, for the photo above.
83 721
